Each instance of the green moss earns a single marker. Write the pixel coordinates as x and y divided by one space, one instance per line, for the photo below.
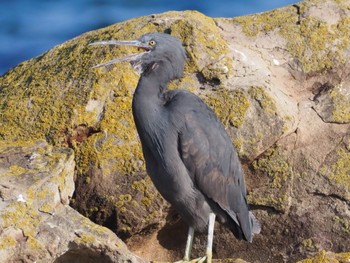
317 45
266 102
230 106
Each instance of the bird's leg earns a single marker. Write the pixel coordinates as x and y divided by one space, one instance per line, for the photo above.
189 244
209 249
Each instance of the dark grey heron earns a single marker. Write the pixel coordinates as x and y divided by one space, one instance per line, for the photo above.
189 156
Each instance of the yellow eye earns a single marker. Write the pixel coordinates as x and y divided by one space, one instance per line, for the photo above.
152 43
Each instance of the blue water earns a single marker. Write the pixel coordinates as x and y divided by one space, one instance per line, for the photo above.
30 27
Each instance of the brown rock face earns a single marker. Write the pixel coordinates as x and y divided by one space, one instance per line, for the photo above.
279 81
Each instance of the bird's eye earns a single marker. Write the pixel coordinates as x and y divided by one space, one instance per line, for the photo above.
152 43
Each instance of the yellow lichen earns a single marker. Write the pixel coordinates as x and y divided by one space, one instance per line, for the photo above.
340 170
15 170
122 209
279 202
45 193
125 198
47 208
134 203
275 166
34 244
343 222
308 244
230 106
328 257
85 238
146 201
341 105
317 45
19 215
238 143
92 227
119 204
266 102
7 241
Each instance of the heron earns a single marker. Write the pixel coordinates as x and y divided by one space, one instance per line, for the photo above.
188 153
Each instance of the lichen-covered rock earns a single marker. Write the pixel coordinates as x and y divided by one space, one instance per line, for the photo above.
330 257
278 80
36 223
333 103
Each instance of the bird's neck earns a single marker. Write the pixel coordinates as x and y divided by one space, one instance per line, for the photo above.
148 100
150 89
153 83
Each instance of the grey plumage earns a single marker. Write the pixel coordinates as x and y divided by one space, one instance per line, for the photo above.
189 156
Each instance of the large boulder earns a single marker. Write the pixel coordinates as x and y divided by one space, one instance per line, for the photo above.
279 81
36 223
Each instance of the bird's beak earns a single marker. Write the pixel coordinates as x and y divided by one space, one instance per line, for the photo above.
134 57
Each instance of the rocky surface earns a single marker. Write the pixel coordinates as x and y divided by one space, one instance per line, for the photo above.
278 80
36 223
324 256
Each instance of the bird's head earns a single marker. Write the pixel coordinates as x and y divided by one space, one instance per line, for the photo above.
159 50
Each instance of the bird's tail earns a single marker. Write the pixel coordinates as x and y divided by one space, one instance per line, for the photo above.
256 227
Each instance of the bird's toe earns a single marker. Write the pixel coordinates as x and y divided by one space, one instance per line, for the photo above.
200 260
196 260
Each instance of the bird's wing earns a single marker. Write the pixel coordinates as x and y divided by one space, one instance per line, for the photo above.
207 152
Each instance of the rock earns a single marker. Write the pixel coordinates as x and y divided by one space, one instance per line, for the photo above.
324 256
279 81
333 103
37 225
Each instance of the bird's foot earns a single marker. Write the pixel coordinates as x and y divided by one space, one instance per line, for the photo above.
201 259
196 260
